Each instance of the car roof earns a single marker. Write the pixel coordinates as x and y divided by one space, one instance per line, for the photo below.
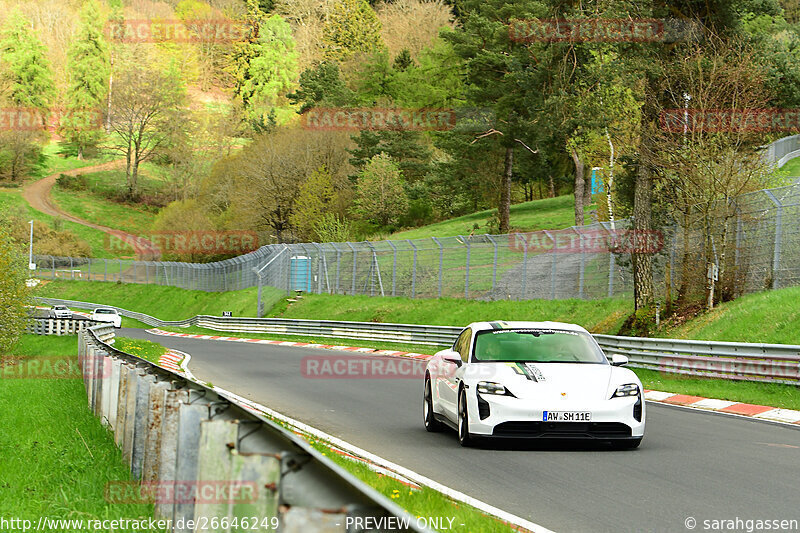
506 324
106 309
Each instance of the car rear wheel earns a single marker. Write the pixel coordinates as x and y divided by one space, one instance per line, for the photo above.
431 424
464 438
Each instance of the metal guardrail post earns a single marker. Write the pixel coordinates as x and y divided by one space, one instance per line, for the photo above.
413 270
190 415
168 450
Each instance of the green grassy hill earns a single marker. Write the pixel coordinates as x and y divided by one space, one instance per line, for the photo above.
549 213
769 316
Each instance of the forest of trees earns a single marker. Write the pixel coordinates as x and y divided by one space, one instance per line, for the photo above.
533 116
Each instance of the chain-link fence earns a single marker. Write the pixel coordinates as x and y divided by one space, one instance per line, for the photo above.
754 241
782 150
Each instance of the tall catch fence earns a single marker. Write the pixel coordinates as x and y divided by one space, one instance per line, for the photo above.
752 240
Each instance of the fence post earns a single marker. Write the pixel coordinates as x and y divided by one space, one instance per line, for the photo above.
413 271
105 272
524 271
338 264
71 269
611 262
554 267
776 255
355 255
466 276
441 263
394 267
582 273
494 263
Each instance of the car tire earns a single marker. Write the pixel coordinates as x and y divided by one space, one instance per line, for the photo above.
631 444
464 438
431 424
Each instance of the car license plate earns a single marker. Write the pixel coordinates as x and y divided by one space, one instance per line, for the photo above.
566 416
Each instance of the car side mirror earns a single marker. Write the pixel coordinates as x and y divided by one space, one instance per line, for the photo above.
453 357
619 360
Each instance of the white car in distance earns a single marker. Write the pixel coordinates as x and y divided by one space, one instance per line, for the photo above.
59 311
107 314
532 380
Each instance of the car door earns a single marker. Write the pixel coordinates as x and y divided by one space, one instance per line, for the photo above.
449 377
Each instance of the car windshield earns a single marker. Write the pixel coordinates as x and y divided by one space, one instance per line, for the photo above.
105 312
537 345
59 308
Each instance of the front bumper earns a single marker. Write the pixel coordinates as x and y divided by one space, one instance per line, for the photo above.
510 417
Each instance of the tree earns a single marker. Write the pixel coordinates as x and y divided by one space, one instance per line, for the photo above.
351 27
146 115
321 85
408 149
245 50
20 154
14 294
258 187
89 70
26 70
494 61
380 196
272 69
316 199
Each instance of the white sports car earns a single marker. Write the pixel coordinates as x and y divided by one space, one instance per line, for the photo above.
532 380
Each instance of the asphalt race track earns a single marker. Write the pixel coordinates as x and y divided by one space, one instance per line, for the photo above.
690 464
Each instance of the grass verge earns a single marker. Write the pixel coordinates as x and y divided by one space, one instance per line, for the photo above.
769 317
773 394
598 316
57 457
423 502
150 351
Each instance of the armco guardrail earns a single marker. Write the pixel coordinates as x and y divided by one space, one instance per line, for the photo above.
58 326
776 363
180 437
406 333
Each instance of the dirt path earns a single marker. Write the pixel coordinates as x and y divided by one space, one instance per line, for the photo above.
37 194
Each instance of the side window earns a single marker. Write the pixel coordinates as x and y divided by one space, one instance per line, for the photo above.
463 344
462 338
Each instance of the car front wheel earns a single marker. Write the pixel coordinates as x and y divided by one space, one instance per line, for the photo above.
464 438
431 424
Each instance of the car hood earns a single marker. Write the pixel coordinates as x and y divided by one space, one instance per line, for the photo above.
572 381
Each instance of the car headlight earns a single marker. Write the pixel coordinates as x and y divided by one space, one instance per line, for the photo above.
489 387
631 389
